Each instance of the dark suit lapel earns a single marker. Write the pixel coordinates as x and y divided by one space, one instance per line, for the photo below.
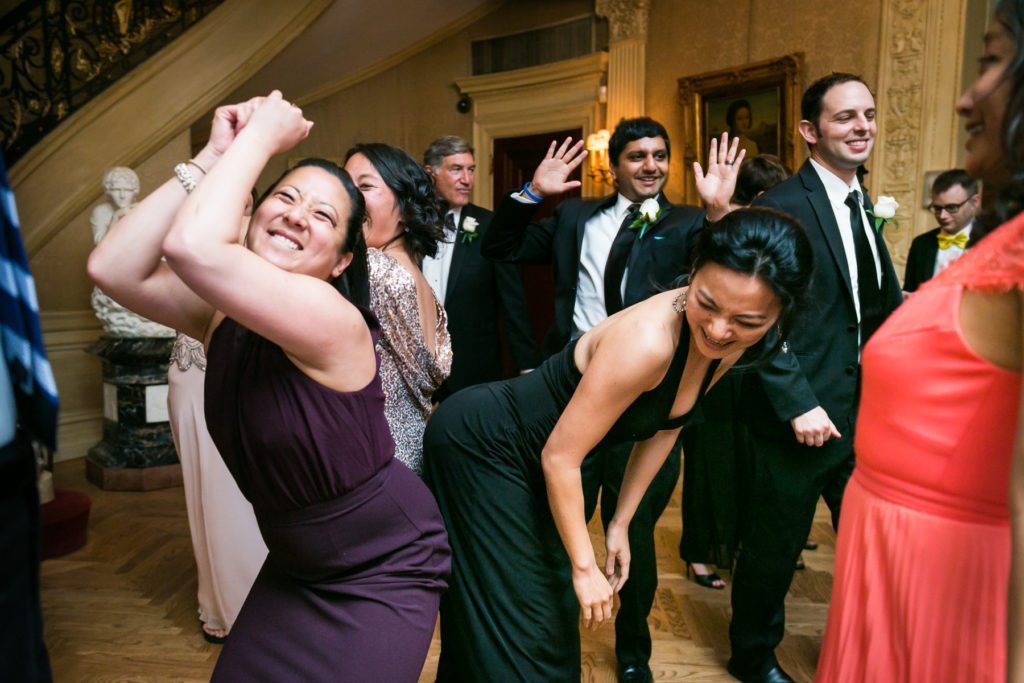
818 198
459 251
930 253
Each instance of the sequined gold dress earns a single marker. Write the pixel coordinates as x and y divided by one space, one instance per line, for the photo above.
409 371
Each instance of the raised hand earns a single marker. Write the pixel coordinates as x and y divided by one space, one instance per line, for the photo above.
595 595
551 176
277 123
716 187
616 566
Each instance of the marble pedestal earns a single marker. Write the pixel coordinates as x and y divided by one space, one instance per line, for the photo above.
136 452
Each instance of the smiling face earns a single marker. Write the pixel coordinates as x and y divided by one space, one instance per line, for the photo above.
842 137
728 311
384 220
642 168
300 226
983 106
454 178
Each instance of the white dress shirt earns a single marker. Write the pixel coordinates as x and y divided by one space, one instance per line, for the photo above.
837 191
946 256
437 267
598 235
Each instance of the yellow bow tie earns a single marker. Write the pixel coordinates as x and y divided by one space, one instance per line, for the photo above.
946 241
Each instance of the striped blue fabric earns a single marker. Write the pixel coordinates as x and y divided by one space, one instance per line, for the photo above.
35 389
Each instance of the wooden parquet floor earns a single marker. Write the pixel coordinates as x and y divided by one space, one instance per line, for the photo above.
123 608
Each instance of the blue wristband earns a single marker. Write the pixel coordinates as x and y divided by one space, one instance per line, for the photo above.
526 191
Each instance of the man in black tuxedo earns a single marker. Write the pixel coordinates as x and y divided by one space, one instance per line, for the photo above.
601 265
955 203
472 288
804 403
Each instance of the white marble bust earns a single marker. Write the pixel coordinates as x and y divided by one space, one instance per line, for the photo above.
121 186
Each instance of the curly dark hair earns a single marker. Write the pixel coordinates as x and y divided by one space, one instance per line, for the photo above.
771 246
418 204
354 282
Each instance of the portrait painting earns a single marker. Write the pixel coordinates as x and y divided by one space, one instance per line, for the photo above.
758 103
752 117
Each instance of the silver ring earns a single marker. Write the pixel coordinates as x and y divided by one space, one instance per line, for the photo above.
729 162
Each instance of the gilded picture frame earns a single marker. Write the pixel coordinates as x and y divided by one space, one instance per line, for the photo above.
759 101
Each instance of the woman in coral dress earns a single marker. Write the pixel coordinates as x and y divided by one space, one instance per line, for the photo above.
926 540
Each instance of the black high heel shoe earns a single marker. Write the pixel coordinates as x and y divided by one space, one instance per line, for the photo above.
704 580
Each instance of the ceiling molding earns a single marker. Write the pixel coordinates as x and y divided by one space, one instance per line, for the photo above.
394 60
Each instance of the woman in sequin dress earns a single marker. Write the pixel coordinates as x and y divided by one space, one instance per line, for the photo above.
403 225
358 555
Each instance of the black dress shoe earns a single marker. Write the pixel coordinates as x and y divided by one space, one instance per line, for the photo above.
635 673
772 675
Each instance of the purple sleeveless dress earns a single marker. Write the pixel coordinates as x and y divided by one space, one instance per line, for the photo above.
358 555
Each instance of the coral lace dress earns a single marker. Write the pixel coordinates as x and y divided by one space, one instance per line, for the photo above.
923 559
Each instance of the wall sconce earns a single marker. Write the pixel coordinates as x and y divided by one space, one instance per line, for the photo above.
597 146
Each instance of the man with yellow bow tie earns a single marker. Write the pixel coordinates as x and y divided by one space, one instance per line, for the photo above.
955 203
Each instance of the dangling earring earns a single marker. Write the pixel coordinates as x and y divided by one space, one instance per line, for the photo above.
679 303
784 348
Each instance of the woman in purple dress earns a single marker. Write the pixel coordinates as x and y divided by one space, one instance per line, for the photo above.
358 556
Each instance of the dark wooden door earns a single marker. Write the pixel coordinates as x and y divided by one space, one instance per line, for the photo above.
515 160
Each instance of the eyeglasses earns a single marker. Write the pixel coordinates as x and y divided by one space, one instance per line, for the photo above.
951 209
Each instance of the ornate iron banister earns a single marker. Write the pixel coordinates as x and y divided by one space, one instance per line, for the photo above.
56 55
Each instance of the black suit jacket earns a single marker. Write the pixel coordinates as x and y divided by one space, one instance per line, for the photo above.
477 289
921 260
657 259
822 366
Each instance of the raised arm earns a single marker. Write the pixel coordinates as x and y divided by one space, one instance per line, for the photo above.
624 363
1015 608
717 186
282 293
128 265
512 238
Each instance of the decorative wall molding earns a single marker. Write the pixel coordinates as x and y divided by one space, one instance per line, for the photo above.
555 96
920 71
627 19
627 57
56 180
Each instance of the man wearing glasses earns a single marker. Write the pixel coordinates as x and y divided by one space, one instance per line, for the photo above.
955 202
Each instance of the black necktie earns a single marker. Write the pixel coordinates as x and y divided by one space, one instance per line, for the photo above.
867 275
615 268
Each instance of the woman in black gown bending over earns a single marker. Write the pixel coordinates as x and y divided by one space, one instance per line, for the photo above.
357 552
503 459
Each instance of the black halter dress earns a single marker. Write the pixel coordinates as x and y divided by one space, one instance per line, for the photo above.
510 613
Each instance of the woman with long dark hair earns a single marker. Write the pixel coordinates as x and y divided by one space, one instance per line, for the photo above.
357 551
504 458
403 225
929 573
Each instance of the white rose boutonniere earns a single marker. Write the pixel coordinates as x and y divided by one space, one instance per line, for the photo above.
646 216
884 212
468 231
